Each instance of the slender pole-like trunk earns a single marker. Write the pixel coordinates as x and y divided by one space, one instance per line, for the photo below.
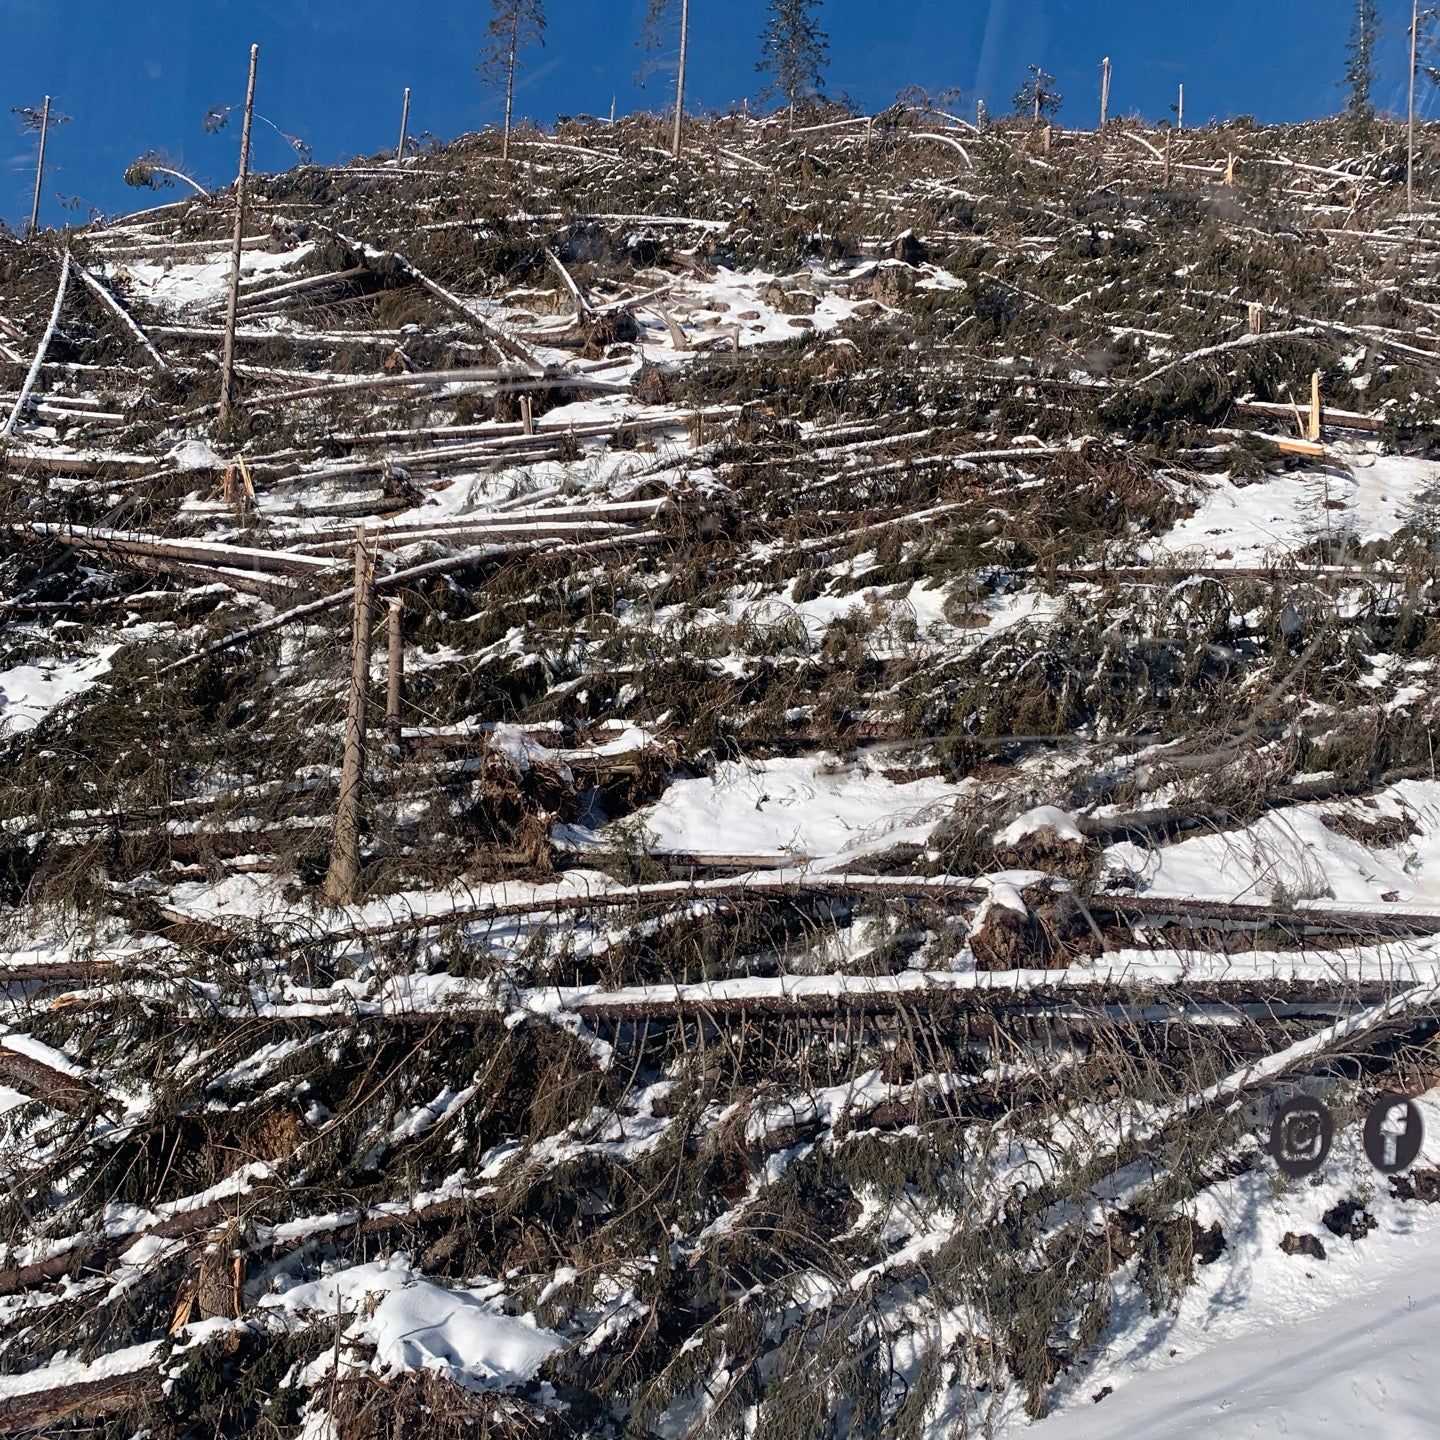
242 185
1104 91
1180 111
510 90
40 167
404 125
680 77
1410 123
395 668
344 873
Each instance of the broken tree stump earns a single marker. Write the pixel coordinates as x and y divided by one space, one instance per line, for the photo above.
395 668
344 874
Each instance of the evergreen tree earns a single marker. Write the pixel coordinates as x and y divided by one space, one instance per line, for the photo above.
1038 96
793 50
514 24
1360 62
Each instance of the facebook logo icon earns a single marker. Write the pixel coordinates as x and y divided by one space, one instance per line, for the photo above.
1394 1134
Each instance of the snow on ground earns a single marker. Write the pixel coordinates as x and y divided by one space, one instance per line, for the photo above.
1369 496
1268 1344
734 301
817 806
415 1325
1293 853
28 693
181 285
1250 524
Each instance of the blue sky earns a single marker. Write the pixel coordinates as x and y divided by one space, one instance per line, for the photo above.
140 74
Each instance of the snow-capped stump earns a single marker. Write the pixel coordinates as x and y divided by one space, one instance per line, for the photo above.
1004 934
1029 920
1047 838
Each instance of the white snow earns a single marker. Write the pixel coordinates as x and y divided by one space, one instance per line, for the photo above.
817 806
28 693
416 1325
1043 820
195 455
1293 854
180 285
1368 494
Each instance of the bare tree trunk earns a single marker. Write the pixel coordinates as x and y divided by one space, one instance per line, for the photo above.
1410 123
680 77
344 872
404 125
40 167
510 90
242 183
395 668
1104 91
1180 111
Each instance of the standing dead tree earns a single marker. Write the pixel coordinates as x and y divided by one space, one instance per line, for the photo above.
227 362
38 122
652 38
344 871
793 51
404 126
1422 47
514 24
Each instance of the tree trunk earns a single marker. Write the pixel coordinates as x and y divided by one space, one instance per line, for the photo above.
395 668
680 77
227 361
1410 121
40 167
1104 91
404 125
510 90
38 363
344 873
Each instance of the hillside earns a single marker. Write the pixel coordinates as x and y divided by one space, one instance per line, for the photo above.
884 733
